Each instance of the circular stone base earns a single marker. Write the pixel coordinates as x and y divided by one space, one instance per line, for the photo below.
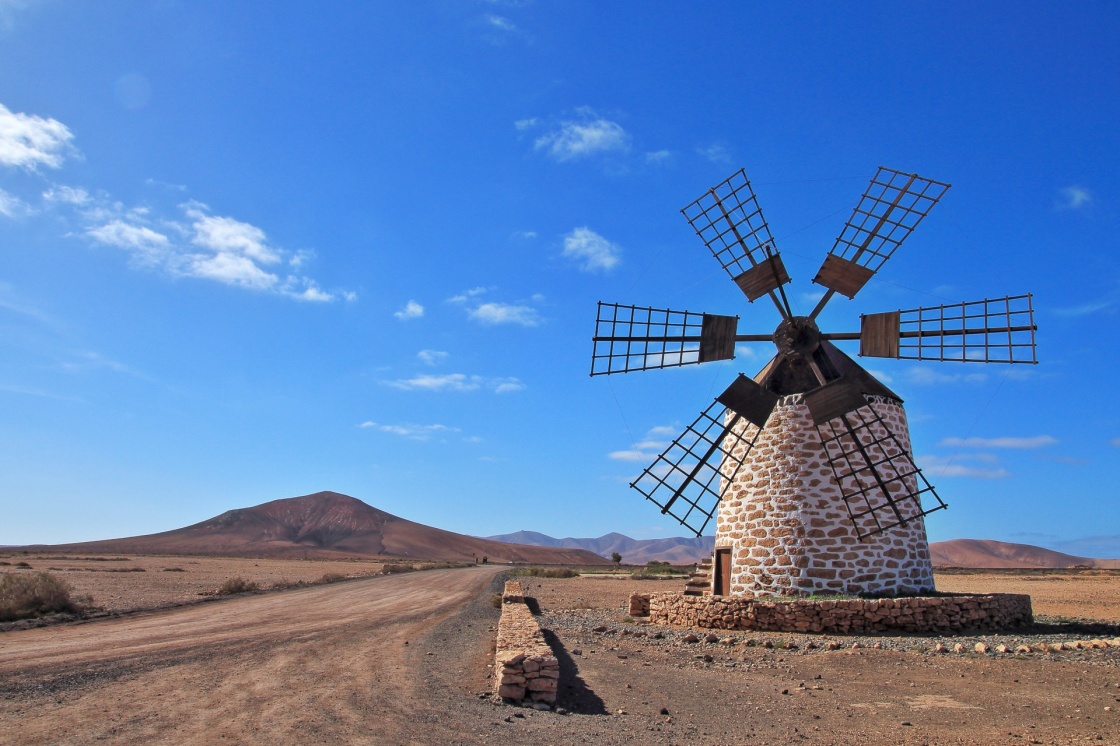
918 614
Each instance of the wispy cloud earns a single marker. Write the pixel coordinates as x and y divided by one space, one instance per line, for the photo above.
585 135
1115 442
923 376
647 449
658 157
938 466
28 141
1074 197
1085 309
716 152
410 431
411 310
1031 442
493 314
432 357
457 382
12 206
591 251
467 295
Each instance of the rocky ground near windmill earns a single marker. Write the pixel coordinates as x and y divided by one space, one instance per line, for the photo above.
314 665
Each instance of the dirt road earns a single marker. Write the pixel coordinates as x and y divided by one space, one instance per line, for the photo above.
328 664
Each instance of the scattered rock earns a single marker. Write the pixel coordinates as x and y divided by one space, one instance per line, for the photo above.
980 647
690 638
711 637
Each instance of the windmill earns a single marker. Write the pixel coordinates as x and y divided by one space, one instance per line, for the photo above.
807 468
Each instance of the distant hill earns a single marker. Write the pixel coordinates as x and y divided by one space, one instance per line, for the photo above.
985 553
322 525
678 550
970 553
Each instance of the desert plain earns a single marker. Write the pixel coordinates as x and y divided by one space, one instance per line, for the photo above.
333 651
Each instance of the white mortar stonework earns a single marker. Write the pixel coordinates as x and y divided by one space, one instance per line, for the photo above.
787 526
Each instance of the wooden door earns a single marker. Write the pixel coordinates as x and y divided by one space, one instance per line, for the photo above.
722 584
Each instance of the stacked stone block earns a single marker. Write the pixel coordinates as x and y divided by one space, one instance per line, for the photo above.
526 671
924 614
789 532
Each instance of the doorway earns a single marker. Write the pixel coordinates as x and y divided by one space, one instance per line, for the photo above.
722 584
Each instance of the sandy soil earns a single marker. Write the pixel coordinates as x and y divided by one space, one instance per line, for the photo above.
329 664
1073 594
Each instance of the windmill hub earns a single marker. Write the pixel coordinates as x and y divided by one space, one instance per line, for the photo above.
797 336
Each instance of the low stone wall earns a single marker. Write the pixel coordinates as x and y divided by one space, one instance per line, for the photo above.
639 604
996 611
525 669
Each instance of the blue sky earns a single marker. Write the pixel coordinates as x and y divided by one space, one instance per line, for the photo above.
256 250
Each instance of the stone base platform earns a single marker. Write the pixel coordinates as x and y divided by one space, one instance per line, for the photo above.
917 614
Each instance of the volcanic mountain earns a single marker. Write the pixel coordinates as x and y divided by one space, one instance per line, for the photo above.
327 525
985 553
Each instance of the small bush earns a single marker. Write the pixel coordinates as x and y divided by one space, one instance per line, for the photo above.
395 567
331 577
173 569
547 572
237 585
23 596
23 565
496 600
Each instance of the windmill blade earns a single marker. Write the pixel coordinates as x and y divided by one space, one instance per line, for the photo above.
629 338
879 482
687 480
886 214
730 223
984 331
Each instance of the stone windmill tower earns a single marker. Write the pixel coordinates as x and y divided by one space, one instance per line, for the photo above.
807 467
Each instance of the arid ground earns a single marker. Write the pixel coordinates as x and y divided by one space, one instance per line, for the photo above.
402 659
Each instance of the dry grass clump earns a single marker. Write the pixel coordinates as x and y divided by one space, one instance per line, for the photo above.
24 595
332 577
395 567
546 572
237 585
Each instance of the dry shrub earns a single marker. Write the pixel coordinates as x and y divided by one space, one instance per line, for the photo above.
332 577
30 595
395 567
237 585
546 572
496 600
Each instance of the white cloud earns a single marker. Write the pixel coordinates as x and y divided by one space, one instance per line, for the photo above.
592 251
716 152
587 135
28 141
1075 197
411 310
492 314
229 237
68 195
507 385
432 357
413 432
1115 442
1085 309
466 295
1035 441
502 24
526 124
458 382
924 376
126 236
943 467
525 235
880 376
658 156
447 382
11 205
647 449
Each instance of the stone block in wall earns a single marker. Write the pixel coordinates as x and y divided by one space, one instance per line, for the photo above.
639 604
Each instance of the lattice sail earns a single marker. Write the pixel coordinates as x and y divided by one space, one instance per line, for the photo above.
879 482
886 214
629 338
686 481
730 223
985 331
